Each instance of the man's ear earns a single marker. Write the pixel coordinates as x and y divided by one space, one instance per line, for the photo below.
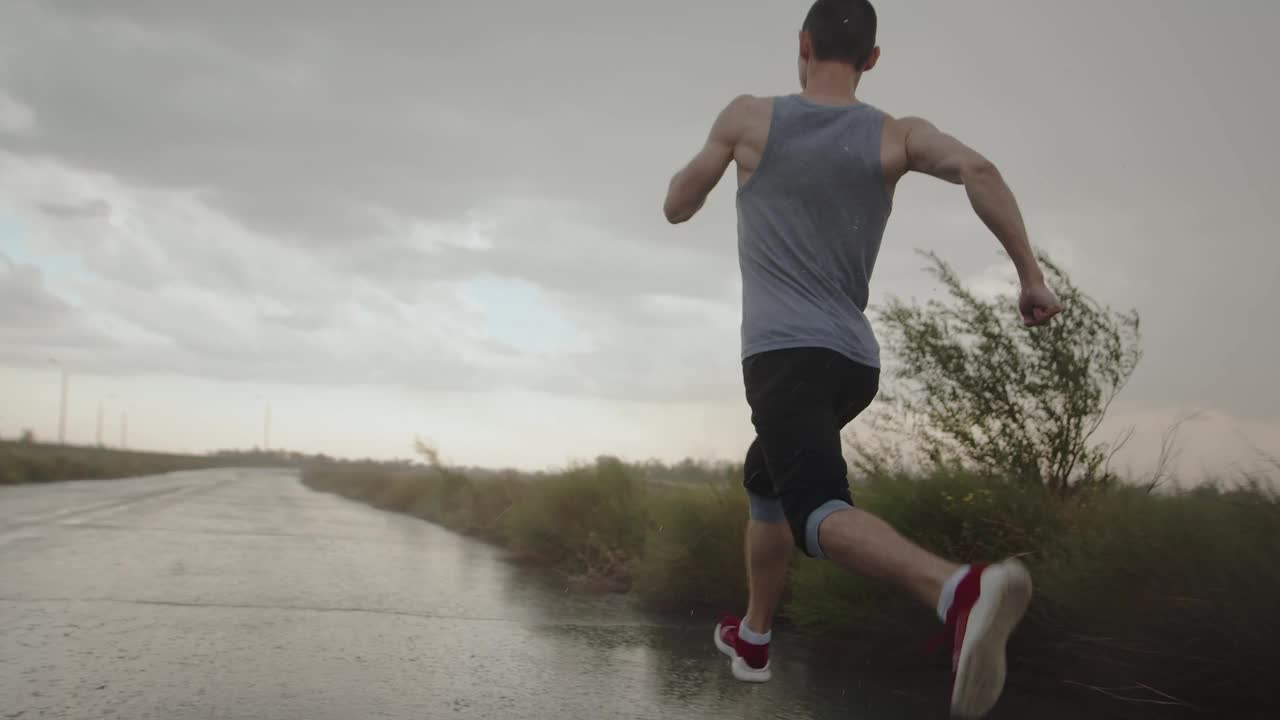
871 61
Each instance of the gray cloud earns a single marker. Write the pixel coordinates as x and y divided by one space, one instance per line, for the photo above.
333 116
31 316
87 210
294 190
26 301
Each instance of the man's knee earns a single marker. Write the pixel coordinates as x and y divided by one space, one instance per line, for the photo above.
806 513
809 483
813 522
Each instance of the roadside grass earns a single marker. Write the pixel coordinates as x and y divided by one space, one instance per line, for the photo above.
1157 600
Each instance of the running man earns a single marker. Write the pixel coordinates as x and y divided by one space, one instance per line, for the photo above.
816 174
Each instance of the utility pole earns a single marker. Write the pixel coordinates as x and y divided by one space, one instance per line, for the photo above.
62 406
124 430
62 412
101 409
266 422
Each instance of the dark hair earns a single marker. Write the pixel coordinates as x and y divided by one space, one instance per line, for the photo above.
843 30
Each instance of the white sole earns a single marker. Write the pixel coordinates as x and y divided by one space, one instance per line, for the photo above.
980 672
741 670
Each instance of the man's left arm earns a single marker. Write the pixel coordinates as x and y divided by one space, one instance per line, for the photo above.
690 187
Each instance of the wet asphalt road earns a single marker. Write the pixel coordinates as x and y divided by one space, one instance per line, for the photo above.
243 594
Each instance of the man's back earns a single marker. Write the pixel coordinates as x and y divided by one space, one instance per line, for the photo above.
813 204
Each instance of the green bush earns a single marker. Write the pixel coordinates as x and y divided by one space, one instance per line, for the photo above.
970 382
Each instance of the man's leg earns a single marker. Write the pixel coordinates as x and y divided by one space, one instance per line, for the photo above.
862 543
800 403
799 436
767 550
768 556
981 605
768 546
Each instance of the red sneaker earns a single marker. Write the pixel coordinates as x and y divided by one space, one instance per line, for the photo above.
750 662
989 603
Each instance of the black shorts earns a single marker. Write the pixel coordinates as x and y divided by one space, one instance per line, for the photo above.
800 401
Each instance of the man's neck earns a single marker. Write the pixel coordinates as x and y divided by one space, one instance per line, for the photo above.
832 84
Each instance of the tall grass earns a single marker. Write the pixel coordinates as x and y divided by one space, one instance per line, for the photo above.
1149 598
692 556
28 462
1174 593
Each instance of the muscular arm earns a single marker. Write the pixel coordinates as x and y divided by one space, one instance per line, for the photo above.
933 152
690 187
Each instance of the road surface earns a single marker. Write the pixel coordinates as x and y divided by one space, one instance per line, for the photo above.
243 594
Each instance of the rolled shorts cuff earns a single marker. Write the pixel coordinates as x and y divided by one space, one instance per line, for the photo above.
765 509
815 522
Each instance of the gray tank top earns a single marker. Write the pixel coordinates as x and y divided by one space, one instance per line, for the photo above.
810 222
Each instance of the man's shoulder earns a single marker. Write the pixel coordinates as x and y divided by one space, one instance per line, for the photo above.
897 128
747 103
743 114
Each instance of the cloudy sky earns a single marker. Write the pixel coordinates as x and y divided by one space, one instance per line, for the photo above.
443 219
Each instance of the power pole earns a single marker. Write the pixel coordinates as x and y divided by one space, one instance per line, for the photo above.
266 421
62 412
101 410
62 405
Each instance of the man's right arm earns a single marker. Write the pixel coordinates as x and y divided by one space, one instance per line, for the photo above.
933 152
